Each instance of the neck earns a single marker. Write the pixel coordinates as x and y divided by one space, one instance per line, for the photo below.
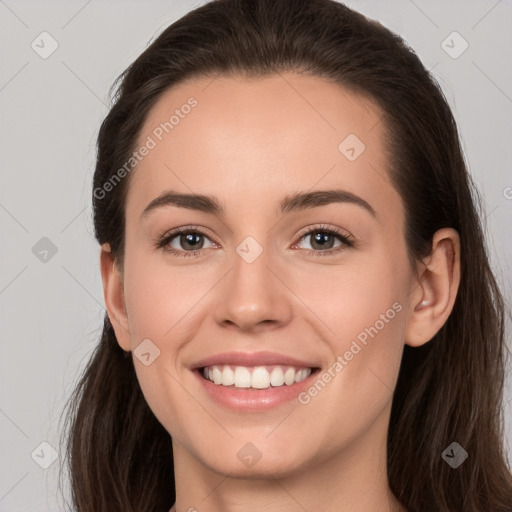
354 478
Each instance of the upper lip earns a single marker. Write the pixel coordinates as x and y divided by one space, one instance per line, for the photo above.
252 359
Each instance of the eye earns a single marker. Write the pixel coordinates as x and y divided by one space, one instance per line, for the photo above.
185 242
324 240
190 241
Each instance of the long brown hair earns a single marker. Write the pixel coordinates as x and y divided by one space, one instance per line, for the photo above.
450 389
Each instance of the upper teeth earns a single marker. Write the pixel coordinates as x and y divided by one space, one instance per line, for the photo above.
259 377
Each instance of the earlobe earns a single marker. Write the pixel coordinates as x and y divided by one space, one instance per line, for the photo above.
114 297
436 288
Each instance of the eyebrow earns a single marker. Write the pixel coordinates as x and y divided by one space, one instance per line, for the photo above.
294 202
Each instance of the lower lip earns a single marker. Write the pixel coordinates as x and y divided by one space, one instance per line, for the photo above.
250 399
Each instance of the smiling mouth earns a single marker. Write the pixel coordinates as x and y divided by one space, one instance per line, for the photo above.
255 377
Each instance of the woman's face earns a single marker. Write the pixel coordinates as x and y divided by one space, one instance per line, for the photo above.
293 262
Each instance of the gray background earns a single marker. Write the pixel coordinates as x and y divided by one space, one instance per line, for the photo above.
51 110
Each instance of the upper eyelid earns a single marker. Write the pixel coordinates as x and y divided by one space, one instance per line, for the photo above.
336 231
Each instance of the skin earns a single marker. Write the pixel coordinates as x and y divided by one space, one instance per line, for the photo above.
250 143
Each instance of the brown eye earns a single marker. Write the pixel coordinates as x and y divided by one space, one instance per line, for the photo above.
191 241
184 242
322 240
325 240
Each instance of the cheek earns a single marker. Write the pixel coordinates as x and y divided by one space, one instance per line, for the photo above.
351 297
361 304
160 298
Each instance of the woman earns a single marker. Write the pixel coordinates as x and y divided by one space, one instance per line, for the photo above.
300 310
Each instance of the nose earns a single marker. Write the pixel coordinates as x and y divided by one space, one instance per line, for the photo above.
252 297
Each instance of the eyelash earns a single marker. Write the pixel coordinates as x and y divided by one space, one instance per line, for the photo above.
162 242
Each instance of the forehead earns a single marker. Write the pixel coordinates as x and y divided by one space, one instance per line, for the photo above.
243 139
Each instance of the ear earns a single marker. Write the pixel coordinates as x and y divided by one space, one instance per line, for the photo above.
113 294
435 288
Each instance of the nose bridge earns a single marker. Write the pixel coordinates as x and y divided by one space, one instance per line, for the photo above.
252 294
